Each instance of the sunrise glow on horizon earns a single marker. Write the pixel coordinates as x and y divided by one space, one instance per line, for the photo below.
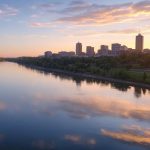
28 28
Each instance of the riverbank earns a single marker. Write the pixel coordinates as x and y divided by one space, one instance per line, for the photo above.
88 76
121 69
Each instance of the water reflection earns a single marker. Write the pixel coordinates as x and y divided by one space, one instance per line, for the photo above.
44 145
80 139
106 106
79 80
131 134
2 105
41 110
1 138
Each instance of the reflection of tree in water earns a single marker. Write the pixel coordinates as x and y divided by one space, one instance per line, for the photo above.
79 79
139 91
120 86
144 91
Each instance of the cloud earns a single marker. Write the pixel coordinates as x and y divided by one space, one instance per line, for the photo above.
86 13
79 3
103 106
80 6
41 25
131 134
136 129
107 14
2 106
124 31
6 11
145 29
47 7
73 138
79 139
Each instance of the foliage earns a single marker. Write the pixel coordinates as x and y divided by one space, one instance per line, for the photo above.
114 67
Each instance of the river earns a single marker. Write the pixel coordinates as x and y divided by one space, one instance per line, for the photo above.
44 111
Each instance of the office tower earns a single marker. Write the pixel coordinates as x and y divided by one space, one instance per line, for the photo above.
124 48
104 48
116 47
139 43
90 51
79 49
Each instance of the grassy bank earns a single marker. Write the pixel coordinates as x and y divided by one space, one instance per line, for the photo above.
117 68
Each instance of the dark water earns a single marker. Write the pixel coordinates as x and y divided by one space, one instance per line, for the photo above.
43 111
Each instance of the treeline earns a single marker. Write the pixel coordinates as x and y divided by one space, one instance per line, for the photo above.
113 67
1 59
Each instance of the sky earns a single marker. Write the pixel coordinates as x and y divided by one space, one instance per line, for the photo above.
30 27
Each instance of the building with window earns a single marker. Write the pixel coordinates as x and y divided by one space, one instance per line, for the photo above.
79 49
139 43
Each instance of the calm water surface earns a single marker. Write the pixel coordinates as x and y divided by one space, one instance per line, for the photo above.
44 111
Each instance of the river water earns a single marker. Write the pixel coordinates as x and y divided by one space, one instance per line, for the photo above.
44 111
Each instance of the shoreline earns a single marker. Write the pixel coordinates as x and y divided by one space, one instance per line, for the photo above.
84 75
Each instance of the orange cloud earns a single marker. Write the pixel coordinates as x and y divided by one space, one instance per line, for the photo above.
133 134
110 13
109 106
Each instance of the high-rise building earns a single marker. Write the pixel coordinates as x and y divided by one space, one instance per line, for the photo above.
139 43
104 50
124 48
90 51
104 47
116 47
79 49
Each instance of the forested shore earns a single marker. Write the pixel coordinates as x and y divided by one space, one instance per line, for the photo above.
130 68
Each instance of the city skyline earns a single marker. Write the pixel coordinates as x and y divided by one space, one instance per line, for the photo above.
116 49
29 28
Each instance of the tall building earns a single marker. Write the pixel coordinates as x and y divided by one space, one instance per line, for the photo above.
124 48
116 47
90 51
139 43
79 49
104 47
104 50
